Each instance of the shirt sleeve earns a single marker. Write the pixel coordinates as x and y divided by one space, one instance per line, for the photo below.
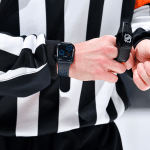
139 35
25 67
140 24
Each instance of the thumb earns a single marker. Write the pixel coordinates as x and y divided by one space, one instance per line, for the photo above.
142 50
136 62
130 62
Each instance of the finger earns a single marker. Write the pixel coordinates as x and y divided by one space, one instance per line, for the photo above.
133 52
142 73
147 67
142 50
111 52
130 62
112 71
101 74
115 66
109 77
112 40
136 62
138 81
108 40
134 68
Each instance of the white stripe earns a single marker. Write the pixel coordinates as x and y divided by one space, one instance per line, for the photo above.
103 91
32 17
75 31
1 72
32 42
76 16
119 105
11 44
11 74
68 106
141 18
40 40
110 25
14 45
27 115
111 17
32 21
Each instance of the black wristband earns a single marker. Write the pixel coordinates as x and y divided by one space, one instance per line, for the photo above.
50 51
63 69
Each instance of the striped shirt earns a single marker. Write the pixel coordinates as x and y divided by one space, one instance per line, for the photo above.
32 103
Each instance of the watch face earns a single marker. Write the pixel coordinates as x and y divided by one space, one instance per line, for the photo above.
65 52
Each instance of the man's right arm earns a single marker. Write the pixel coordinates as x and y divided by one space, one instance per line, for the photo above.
94 60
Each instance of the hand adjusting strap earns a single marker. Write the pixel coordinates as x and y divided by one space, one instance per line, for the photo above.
124 42
124 37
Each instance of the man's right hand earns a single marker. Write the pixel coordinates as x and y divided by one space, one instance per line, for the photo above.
94 60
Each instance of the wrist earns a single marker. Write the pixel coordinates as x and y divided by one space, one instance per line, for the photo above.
70 71
72 66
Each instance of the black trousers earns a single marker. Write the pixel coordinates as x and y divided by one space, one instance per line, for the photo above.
102 137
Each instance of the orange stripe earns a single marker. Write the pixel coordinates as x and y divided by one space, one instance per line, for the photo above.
140 3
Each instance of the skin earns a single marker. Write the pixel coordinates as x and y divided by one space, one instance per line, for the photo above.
94 60
141 69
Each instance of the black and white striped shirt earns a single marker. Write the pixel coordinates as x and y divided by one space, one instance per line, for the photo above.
31 101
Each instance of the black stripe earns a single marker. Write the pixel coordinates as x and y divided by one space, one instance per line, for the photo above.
26 85
127 10
55 29
8 115
49 108
49 97
55 19
26 58
64 84
30 60
7 60
87 105
9 17
111 110
94 19
121 90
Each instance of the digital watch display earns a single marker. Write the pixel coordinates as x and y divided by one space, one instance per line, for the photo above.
65 52
64 57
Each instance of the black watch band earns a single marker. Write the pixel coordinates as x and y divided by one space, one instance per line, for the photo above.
63 69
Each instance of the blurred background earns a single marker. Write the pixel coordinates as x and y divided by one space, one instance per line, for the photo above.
134 124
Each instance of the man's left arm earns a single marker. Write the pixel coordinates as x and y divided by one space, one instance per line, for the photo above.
141 69
141 43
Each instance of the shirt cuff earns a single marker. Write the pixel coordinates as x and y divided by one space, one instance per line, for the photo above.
51 51
139 35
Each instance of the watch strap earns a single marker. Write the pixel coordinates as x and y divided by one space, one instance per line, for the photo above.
63 69
50 52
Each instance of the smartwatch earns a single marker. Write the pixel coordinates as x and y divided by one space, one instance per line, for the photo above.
64 57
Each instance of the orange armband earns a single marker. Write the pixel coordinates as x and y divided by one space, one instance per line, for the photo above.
140 3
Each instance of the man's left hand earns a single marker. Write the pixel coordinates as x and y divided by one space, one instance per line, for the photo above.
141 69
